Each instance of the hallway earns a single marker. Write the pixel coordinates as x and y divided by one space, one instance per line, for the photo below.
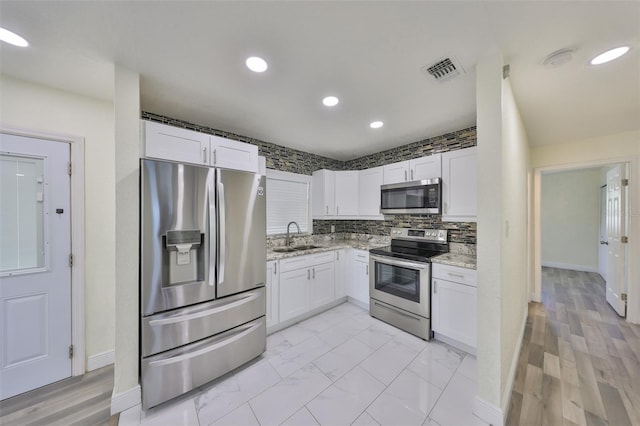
579 362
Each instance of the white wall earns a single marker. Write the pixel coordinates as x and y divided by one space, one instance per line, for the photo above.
31 107
570 219
126 390
503 179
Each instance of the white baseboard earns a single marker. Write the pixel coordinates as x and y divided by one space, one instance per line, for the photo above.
511 378
125 400
462 346
100 360
571 266
363 305
488 412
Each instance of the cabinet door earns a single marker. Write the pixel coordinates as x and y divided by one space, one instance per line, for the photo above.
369 183
425 167
460 185
359 276
321 287
346 193
294 293
175 144
454 311
340 274
396 172
272 293
233 154
323 195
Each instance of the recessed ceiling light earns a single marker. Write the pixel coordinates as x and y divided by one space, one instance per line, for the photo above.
609 55
330 101
12 38
376 124
256 64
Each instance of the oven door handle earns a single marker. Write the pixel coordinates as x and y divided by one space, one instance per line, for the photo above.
395 262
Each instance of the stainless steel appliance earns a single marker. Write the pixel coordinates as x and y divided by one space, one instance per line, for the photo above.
202 295
417 197
400 282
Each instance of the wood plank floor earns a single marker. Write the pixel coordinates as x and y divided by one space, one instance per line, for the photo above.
579 363
80 400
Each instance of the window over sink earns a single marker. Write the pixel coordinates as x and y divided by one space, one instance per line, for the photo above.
288 199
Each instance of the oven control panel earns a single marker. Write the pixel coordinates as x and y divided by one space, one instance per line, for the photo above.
436 235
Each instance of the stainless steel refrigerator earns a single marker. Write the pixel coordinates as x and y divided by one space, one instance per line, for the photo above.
202 294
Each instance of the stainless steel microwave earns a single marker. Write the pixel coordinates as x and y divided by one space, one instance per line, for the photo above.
417 197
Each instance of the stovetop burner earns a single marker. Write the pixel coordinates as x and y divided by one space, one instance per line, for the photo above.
415 244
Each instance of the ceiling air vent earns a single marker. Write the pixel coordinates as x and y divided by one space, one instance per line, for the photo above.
445 69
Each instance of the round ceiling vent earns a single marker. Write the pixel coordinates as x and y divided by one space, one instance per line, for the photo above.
558 58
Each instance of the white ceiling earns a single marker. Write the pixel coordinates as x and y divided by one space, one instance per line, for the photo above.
190 56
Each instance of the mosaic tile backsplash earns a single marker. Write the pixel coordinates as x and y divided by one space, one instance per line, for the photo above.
295 161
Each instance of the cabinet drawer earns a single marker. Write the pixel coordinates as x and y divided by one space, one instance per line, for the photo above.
318 258
291 263
360 255
454 273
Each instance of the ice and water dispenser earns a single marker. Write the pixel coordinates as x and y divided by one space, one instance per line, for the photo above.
183 257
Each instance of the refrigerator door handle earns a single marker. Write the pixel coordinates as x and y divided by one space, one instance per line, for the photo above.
221 231
212 233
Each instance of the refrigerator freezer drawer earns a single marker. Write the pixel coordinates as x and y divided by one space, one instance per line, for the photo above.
172 373
179 327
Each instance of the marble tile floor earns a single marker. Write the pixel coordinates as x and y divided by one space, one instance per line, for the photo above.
341 367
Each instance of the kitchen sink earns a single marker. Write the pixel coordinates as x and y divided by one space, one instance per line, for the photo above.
284 249
307 247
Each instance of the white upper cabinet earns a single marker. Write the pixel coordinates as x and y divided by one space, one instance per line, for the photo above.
233 154
346 192
425 167
323 196
460 185
417 169
396 172
187 146
369 192
174 143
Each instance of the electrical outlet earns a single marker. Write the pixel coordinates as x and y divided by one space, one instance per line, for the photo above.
333 229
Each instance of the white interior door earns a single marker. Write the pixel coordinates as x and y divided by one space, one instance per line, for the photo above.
35 274
616 277
603 251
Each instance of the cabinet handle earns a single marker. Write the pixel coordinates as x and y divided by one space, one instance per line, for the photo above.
337 209
204 155
327 209
275 268
455 275
337 255
412 174
314 273
308 274
435 287
405 175
215 158
367 269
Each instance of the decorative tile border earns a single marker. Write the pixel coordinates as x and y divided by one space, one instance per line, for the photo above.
295 161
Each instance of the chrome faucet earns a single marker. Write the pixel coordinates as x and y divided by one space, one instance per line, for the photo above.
288 240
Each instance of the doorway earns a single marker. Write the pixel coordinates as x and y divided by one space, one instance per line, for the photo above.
624 269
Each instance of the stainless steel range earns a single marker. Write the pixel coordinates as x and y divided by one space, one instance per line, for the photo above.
400 282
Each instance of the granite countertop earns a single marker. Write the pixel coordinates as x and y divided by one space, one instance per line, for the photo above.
456 259
327 246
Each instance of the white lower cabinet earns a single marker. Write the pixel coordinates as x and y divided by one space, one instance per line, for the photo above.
306 283
294 293
321 286
340 273
272 285
454 304
358 288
